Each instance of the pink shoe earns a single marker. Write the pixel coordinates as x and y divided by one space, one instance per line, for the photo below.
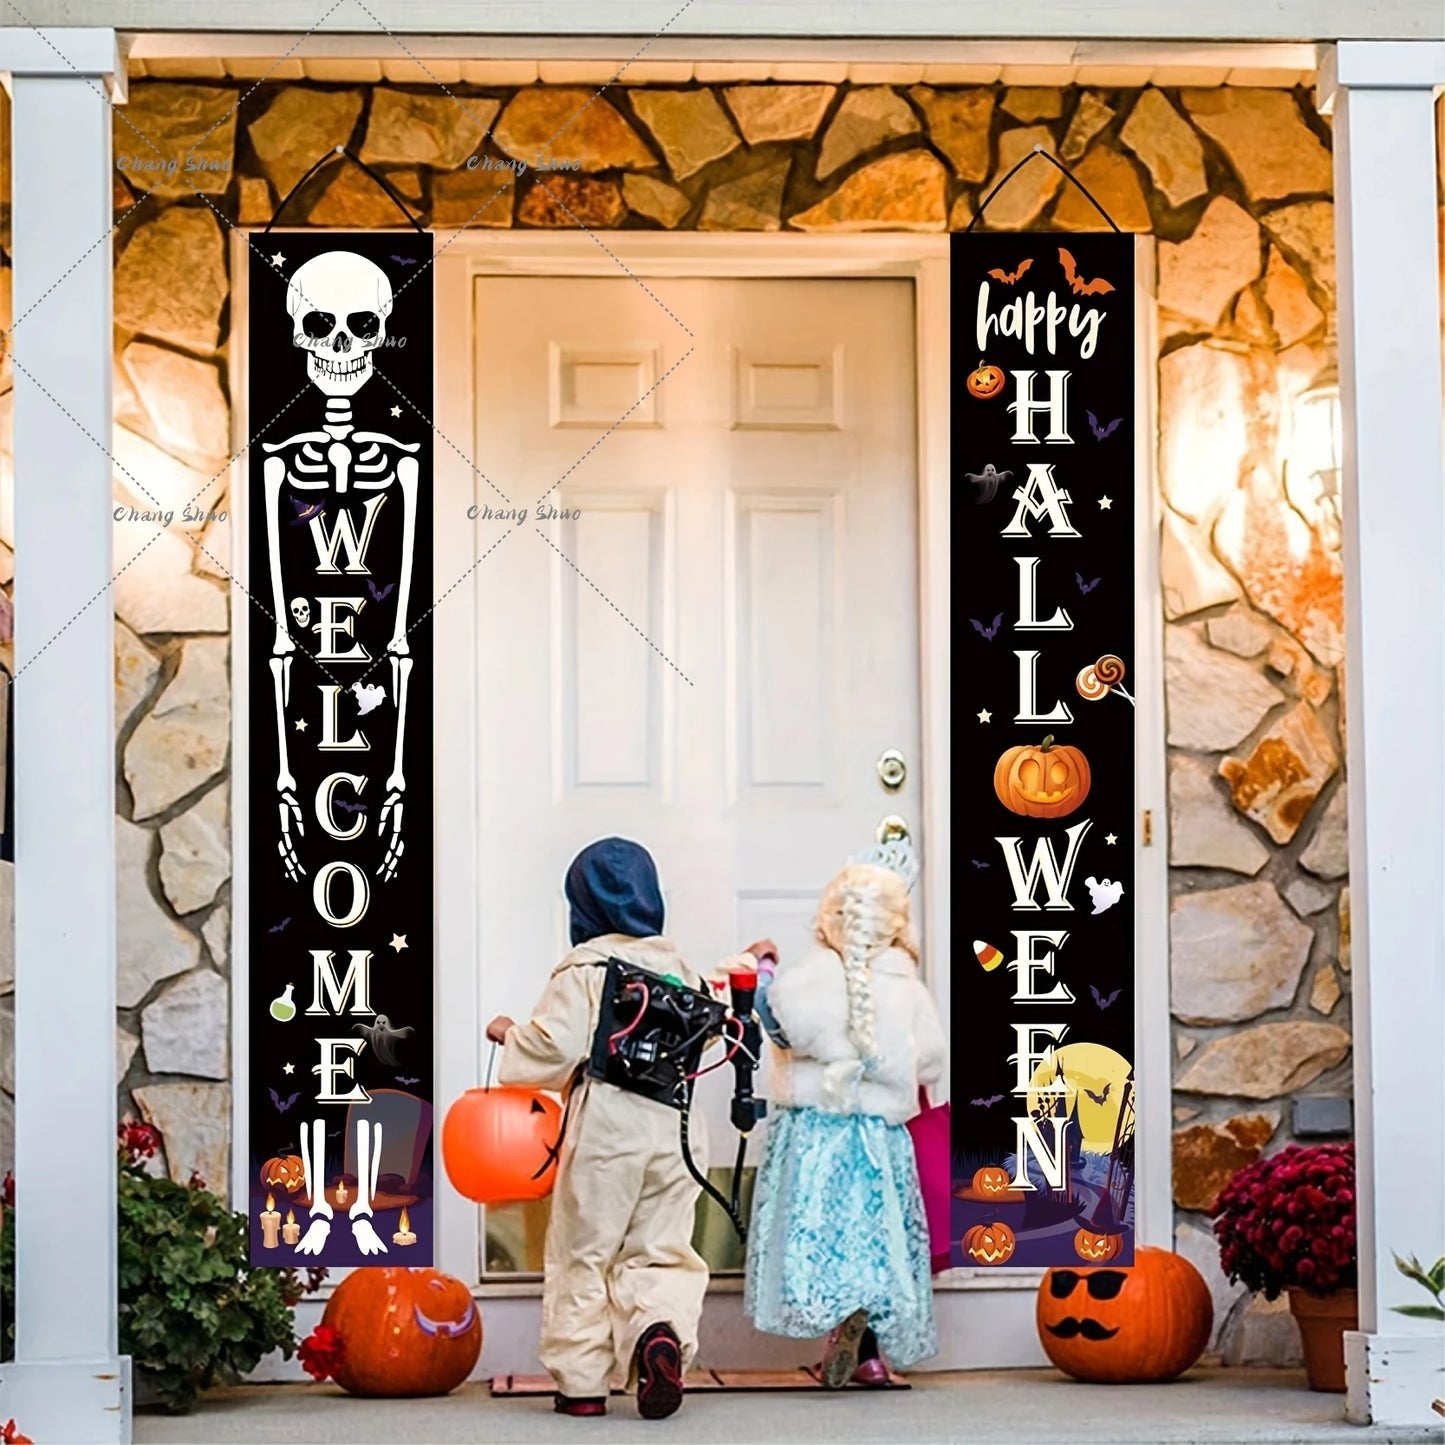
872 1373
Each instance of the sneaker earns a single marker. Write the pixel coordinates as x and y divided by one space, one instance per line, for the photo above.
585 1405
840 1360
658 1359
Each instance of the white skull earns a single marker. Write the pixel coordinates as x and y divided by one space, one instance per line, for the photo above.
339 303
301 611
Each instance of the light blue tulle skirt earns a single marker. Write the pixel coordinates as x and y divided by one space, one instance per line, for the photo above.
838 1225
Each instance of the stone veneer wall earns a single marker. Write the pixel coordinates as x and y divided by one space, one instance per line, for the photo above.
1235 186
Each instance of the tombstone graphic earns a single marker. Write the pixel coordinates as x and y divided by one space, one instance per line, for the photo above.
406 1124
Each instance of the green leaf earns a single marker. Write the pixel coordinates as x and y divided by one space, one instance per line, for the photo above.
1420 1312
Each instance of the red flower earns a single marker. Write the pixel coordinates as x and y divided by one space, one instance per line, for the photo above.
7 1190
321 1352
137 1141
1288 1220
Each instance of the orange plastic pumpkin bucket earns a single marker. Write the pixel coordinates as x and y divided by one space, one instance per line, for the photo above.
499 1145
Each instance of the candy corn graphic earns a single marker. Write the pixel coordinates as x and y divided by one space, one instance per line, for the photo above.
988 956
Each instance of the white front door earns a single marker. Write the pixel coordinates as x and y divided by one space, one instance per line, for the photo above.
714 651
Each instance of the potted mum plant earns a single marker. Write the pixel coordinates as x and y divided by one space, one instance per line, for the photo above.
193 1313
1286 1223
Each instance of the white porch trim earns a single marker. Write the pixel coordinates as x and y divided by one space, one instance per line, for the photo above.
1386 214
67 1382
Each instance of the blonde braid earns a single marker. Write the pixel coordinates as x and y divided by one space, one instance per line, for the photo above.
859 945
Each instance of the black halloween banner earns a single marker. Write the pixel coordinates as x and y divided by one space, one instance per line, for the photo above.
1043 994
340 675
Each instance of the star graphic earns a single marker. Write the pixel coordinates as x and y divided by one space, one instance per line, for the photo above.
288 1068
1105 503
1111 838
398 941
278 259
300 724
985 715
396 411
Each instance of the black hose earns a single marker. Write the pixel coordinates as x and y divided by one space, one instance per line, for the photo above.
728 1206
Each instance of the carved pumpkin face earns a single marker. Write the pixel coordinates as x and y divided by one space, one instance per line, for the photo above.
1144 1324
499 1145
1097 1248
1046 781
985 381
404 1332
285 1171
989 1243
991 1180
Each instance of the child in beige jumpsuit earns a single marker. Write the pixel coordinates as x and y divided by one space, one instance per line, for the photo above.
623 1282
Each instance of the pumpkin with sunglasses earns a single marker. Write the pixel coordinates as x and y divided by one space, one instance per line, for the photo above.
1142 1325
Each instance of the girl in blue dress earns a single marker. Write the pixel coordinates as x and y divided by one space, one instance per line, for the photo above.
839 1239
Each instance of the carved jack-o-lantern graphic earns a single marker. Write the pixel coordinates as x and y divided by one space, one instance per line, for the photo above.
1148 1323
285 1171
985 380
1097 1248
991 1180
1047 781
989 1244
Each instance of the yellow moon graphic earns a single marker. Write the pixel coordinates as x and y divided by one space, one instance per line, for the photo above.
1090 1072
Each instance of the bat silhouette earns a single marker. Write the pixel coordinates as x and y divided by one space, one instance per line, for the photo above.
281 1106
1097 287
405 260
1100 432
382 1037
382 593
1086 587
305 510
279 926
1009 277
344 807
988 481
1099 1098
987 633
987 1103
402 1079
978 862
1099 998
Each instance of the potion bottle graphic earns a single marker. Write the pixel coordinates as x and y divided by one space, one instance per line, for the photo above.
282 1008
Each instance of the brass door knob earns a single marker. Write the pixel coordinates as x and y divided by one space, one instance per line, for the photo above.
892 770
892 829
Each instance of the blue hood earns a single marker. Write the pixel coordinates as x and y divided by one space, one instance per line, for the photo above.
612 887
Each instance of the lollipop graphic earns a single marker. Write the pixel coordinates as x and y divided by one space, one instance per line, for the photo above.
1101 678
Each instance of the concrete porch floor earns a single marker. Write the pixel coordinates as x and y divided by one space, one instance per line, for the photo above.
979 1408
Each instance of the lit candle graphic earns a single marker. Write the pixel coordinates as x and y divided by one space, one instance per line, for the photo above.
341 1194
404 1234
290 1231
270 1225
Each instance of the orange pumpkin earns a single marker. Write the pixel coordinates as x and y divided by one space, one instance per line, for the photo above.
1097 1248
499 1145
403 1332
1047 781
991 1179
985 380
1145 1324
989 1243
285 1171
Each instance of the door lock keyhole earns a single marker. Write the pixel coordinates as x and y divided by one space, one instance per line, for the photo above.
892 770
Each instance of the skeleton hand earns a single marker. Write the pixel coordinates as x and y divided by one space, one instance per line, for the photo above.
315 1238
366 1237
391 810
290 811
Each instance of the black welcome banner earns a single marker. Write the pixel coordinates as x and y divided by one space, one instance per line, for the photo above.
1043 996
340 715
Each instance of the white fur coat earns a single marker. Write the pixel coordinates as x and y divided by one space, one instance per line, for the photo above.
809 999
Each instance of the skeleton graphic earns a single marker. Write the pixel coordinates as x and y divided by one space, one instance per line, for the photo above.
368 1166
339 303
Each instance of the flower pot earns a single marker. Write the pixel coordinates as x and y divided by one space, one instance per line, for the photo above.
1322 1321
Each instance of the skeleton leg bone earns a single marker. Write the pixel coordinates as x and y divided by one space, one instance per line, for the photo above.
368 1168
313 1164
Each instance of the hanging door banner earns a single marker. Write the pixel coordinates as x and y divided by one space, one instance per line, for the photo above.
1043 992
340 677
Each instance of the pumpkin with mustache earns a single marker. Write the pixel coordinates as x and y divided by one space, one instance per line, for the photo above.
1145 1324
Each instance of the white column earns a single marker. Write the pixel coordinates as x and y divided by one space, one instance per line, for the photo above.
66 1382
1394 514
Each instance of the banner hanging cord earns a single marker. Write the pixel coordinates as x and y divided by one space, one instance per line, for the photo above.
338 153
1060 166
